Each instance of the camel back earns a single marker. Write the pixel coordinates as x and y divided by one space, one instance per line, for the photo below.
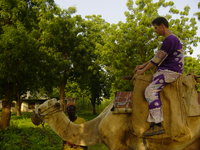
179 100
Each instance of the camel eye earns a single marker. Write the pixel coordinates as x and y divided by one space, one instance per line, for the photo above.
39 110
57 105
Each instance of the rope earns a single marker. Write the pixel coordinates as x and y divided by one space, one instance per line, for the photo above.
42 116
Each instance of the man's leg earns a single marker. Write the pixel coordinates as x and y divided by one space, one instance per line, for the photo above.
152 95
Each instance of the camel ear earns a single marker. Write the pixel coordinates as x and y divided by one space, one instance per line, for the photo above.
57 105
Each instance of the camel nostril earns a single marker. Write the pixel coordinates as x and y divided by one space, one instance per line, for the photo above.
35 119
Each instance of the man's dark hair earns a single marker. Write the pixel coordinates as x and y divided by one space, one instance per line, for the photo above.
160 20
71 111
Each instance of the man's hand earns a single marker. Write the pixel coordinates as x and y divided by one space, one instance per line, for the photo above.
139 72
138 67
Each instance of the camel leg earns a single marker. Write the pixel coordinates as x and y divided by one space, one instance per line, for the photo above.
138 143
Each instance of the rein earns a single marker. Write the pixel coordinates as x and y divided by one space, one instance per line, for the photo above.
42 116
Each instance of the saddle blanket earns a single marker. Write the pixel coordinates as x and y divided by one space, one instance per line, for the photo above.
179 101
122 102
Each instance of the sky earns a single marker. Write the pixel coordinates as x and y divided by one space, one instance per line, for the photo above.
113 10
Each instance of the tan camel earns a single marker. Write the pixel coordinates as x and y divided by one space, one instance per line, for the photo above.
114 130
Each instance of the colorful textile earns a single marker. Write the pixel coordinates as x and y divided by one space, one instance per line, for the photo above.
152 93
159 58
174 61
123 102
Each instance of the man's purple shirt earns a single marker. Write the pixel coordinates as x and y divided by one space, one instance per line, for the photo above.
174 61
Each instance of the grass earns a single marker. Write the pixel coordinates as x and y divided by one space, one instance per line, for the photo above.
23 135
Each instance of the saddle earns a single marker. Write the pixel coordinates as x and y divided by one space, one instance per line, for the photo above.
122 102
179 100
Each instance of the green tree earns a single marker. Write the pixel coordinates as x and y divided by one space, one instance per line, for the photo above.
192 66
133 42
198 13
89 72
21 59
71 41
58 38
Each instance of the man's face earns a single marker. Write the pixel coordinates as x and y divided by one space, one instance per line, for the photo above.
71 110
159 29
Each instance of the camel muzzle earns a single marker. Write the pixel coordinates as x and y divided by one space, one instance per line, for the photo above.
36 119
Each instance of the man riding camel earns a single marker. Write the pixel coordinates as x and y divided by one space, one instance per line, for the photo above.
169 63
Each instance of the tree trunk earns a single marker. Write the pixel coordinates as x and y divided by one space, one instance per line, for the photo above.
18 107
18 104
94 112
62 95
62 90
6 106
6 113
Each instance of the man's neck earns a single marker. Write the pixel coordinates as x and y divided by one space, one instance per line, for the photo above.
167 33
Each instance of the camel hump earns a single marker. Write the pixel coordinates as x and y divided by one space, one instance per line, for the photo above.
190 95
179 100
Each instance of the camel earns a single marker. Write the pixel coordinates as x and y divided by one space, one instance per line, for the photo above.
113 130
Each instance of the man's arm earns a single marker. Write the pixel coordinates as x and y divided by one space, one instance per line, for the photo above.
138 67
148 66
159 58
155 61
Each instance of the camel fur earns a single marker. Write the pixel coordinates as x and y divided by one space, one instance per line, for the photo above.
178 102
114 130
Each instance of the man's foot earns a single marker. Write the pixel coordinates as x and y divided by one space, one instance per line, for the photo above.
155 129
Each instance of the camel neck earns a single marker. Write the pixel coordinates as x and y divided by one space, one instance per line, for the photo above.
74 133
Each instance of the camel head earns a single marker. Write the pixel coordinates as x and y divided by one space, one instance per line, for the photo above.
83 134
47 108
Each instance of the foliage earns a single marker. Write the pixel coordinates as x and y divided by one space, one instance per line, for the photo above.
20 59
93 77
70 39
24 135
192 66
53 51
198 13
22 62
133 42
